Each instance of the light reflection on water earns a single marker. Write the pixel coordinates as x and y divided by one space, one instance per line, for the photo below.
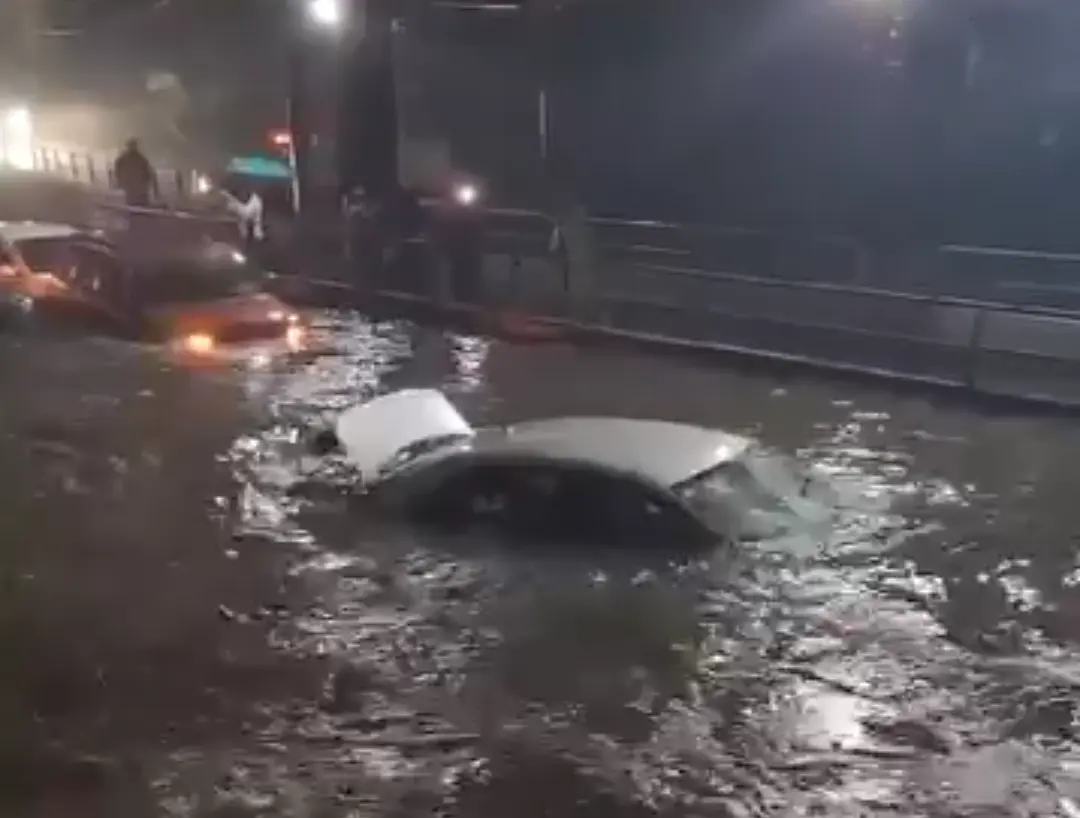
919 661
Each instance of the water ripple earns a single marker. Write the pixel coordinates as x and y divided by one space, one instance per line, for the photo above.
917 659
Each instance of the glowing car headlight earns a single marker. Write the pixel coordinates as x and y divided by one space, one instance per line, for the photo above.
466 195
200 343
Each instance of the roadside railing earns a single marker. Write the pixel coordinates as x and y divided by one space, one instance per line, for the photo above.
175 186
984 273
1023 277
1005 275
724 290
793 298
977 347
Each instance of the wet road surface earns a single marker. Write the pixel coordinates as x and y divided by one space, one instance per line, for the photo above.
184 636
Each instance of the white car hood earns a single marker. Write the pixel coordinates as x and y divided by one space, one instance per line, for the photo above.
373 433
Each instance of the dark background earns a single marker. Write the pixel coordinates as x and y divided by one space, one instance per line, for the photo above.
957 119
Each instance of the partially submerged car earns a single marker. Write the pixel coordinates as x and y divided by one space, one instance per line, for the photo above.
588 480
67 279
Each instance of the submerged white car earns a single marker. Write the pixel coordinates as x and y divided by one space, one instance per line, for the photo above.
582 480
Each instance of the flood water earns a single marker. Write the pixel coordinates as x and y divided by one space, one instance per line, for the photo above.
182 635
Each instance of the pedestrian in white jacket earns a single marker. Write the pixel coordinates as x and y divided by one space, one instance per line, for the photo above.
249 216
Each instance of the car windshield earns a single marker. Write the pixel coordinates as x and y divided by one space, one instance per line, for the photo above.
557 504
761 495
409 454
42 255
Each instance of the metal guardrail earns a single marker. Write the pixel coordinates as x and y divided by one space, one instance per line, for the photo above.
1003 275
96 170
1013 276
1026 277
787 297
662 293
981 348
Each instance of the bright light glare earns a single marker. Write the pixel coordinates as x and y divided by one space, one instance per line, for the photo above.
326 13
17 119
200 343
466 194
19 157
203 185
17 138
295 336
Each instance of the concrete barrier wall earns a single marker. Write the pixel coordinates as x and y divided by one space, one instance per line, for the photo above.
1031 356
966 344
1043 336
656 291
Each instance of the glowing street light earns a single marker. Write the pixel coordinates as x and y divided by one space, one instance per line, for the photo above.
326 14
466 194
17 138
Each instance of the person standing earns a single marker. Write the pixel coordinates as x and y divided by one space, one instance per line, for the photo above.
246 205
135 175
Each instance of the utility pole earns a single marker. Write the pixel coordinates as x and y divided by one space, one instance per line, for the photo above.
320 31
367 115
541 20
342 109
563 202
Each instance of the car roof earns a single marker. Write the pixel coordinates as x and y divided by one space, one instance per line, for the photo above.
663 452
373 433
14 232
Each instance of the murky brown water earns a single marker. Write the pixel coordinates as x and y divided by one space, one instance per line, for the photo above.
181 637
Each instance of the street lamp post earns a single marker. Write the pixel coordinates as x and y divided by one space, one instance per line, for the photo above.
564 204
326 14
318 25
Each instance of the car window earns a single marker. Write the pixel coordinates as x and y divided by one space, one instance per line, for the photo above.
99 274
9 260
47 256
758 496
477 495
556 504
620 510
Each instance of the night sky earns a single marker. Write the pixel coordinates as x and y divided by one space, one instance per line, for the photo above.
121 39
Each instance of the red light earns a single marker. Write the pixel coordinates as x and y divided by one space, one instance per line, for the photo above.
280 139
